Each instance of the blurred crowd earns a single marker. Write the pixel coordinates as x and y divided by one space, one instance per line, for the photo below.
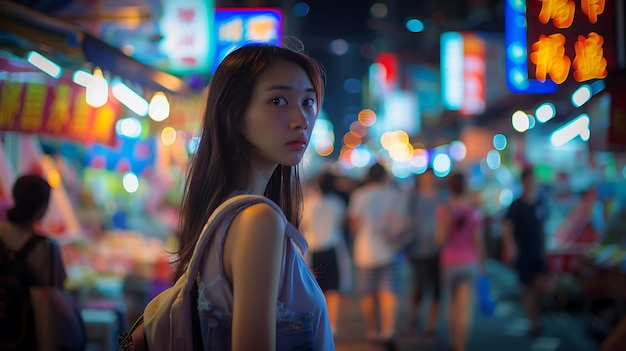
363 234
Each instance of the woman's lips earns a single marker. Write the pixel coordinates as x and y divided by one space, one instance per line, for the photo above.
297 145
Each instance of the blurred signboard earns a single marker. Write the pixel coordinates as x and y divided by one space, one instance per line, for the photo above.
187 27
130 155
550 42
474 89
33 103
235 27
463 72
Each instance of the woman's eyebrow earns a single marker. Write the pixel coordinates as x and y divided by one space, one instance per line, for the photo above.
288 87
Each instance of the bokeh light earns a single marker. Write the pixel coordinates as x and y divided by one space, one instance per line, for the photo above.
130 182
339 47
301 9
414 25
457 150
520 121
54 178
401 170
499 142
159 108
419 161
442 165
352 85
168 135
379 10
367 117
506 197
358 128
493 159
545 112
128 127
351 139
192 145
361 156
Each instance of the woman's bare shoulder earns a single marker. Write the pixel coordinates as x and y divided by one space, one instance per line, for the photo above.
259 217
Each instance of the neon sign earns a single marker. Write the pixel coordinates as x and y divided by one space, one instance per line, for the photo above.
239 26
517 78
551 41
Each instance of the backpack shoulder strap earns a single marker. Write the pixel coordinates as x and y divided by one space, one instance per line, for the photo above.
211 225
29 245
24 250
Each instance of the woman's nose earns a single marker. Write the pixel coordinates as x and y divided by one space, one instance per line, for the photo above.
299 120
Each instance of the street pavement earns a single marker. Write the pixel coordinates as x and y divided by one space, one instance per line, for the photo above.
505 330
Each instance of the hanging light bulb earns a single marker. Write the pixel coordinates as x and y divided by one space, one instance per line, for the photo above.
97 89
159 108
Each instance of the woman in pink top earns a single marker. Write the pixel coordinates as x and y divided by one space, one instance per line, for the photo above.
459 232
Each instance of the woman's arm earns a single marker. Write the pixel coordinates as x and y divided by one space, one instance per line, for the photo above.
479 242
253 254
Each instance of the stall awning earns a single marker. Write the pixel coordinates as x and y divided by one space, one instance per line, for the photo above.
23 29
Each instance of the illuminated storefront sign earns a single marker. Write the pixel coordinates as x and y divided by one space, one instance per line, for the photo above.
187 27
552 41
235 27
58 109
463 72
474 90
452 70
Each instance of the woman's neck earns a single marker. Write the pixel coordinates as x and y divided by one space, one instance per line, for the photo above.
259 180
23 226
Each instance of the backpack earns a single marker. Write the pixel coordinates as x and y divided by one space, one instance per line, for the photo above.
170 320
16 316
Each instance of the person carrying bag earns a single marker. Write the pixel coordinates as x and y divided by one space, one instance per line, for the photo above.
255 291
39 314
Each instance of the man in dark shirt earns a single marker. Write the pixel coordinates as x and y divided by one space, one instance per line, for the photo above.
523 235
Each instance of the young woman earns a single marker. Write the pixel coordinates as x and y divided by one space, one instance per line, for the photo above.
459 232
261 106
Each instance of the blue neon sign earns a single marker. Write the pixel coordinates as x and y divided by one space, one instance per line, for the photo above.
516 52
235 27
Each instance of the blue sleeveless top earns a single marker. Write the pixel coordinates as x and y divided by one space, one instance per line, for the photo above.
301 315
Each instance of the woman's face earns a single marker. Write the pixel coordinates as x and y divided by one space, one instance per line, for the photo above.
280 116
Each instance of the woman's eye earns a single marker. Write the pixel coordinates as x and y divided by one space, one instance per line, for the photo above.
279 101
309 102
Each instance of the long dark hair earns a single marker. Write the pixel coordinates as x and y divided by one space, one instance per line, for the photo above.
220 165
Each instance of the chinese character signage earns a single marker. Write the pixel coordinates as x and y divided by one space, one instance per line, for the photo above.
550 42
570 39
239 26
187 27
